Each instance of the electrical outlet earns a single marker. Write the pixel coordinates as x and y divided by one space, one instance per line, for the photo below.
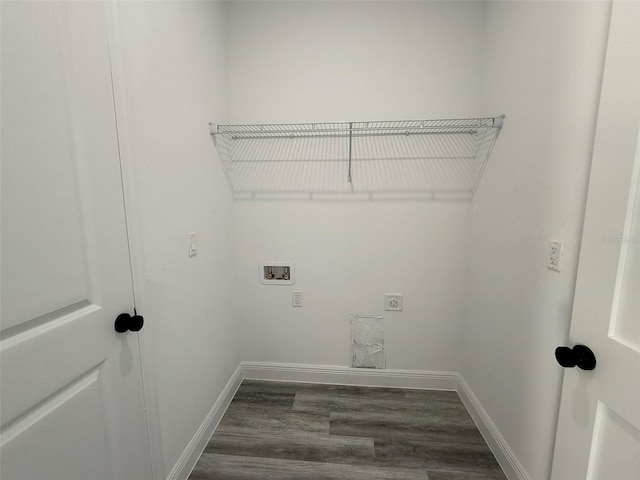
555 255
393 301
296 298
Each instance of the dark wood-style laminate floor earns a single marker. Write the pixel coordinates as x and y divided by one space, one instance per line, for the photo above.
300 431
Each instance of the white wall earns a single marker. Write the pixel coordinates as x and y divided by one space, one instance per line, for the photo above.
351 60
174 83
543 66
347 256
327 61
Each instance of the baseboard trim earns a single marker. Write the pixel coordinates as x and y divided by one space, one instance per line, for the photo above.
338 375
513 469
189 457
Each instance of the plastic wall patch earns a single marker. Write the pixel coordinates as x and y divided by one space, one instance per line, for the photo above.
367 341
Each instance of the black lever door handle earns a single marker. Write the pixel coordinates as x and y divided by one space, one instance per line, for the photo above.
580 356
125 322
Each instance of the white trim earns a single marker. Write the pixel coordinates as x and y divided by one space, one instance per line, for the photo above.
512 468
189 457
338 375
145 344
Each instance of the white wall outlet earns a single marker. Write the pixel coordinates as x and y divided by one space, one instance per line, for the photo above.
192 244
555 255
393 301
296 298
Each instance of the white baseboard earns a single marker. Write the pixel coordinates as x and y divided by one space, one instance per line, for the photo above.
183 467
498 445
337 375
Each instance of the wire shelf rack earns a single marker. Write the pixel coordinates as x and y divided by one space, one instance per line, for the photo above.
425 159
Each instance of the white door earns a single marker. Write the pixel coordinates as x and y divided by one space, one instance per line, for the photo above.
71 390
599 426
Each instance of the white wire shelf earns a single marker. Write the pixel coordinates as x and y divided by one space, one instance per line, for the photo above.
426 159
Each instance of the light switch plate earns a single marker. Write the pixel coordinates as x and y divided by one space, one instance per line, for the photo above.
192 244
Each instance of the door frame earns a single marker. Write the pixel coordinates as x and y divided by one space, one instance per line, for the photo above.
145 337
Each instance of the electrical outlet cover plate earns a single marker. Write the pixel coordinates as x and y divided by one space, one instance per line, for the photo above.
296 298
555 255
393 302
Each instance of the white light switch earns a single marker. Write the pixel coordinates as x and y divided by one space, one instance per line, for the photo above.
192 244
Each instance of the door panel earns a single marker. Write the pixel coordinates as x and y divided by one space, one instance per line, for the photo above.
42 431
599 423
72 402
615 447
625 326
36 149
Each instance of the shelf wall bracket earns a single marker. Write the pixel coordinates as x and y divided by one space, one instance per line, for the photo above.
350 148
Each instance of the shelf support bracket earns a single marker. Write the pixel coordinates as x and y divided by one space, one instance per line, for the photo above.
350 143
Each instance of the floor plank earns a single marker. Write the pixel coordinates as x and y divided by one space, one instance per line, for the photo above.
301 446
406 427
437 456
253 394
242 419
440 403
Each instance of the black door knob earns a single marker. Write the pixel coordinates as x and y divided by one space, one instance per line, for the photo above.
580 356
122 322
125 322
136 323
